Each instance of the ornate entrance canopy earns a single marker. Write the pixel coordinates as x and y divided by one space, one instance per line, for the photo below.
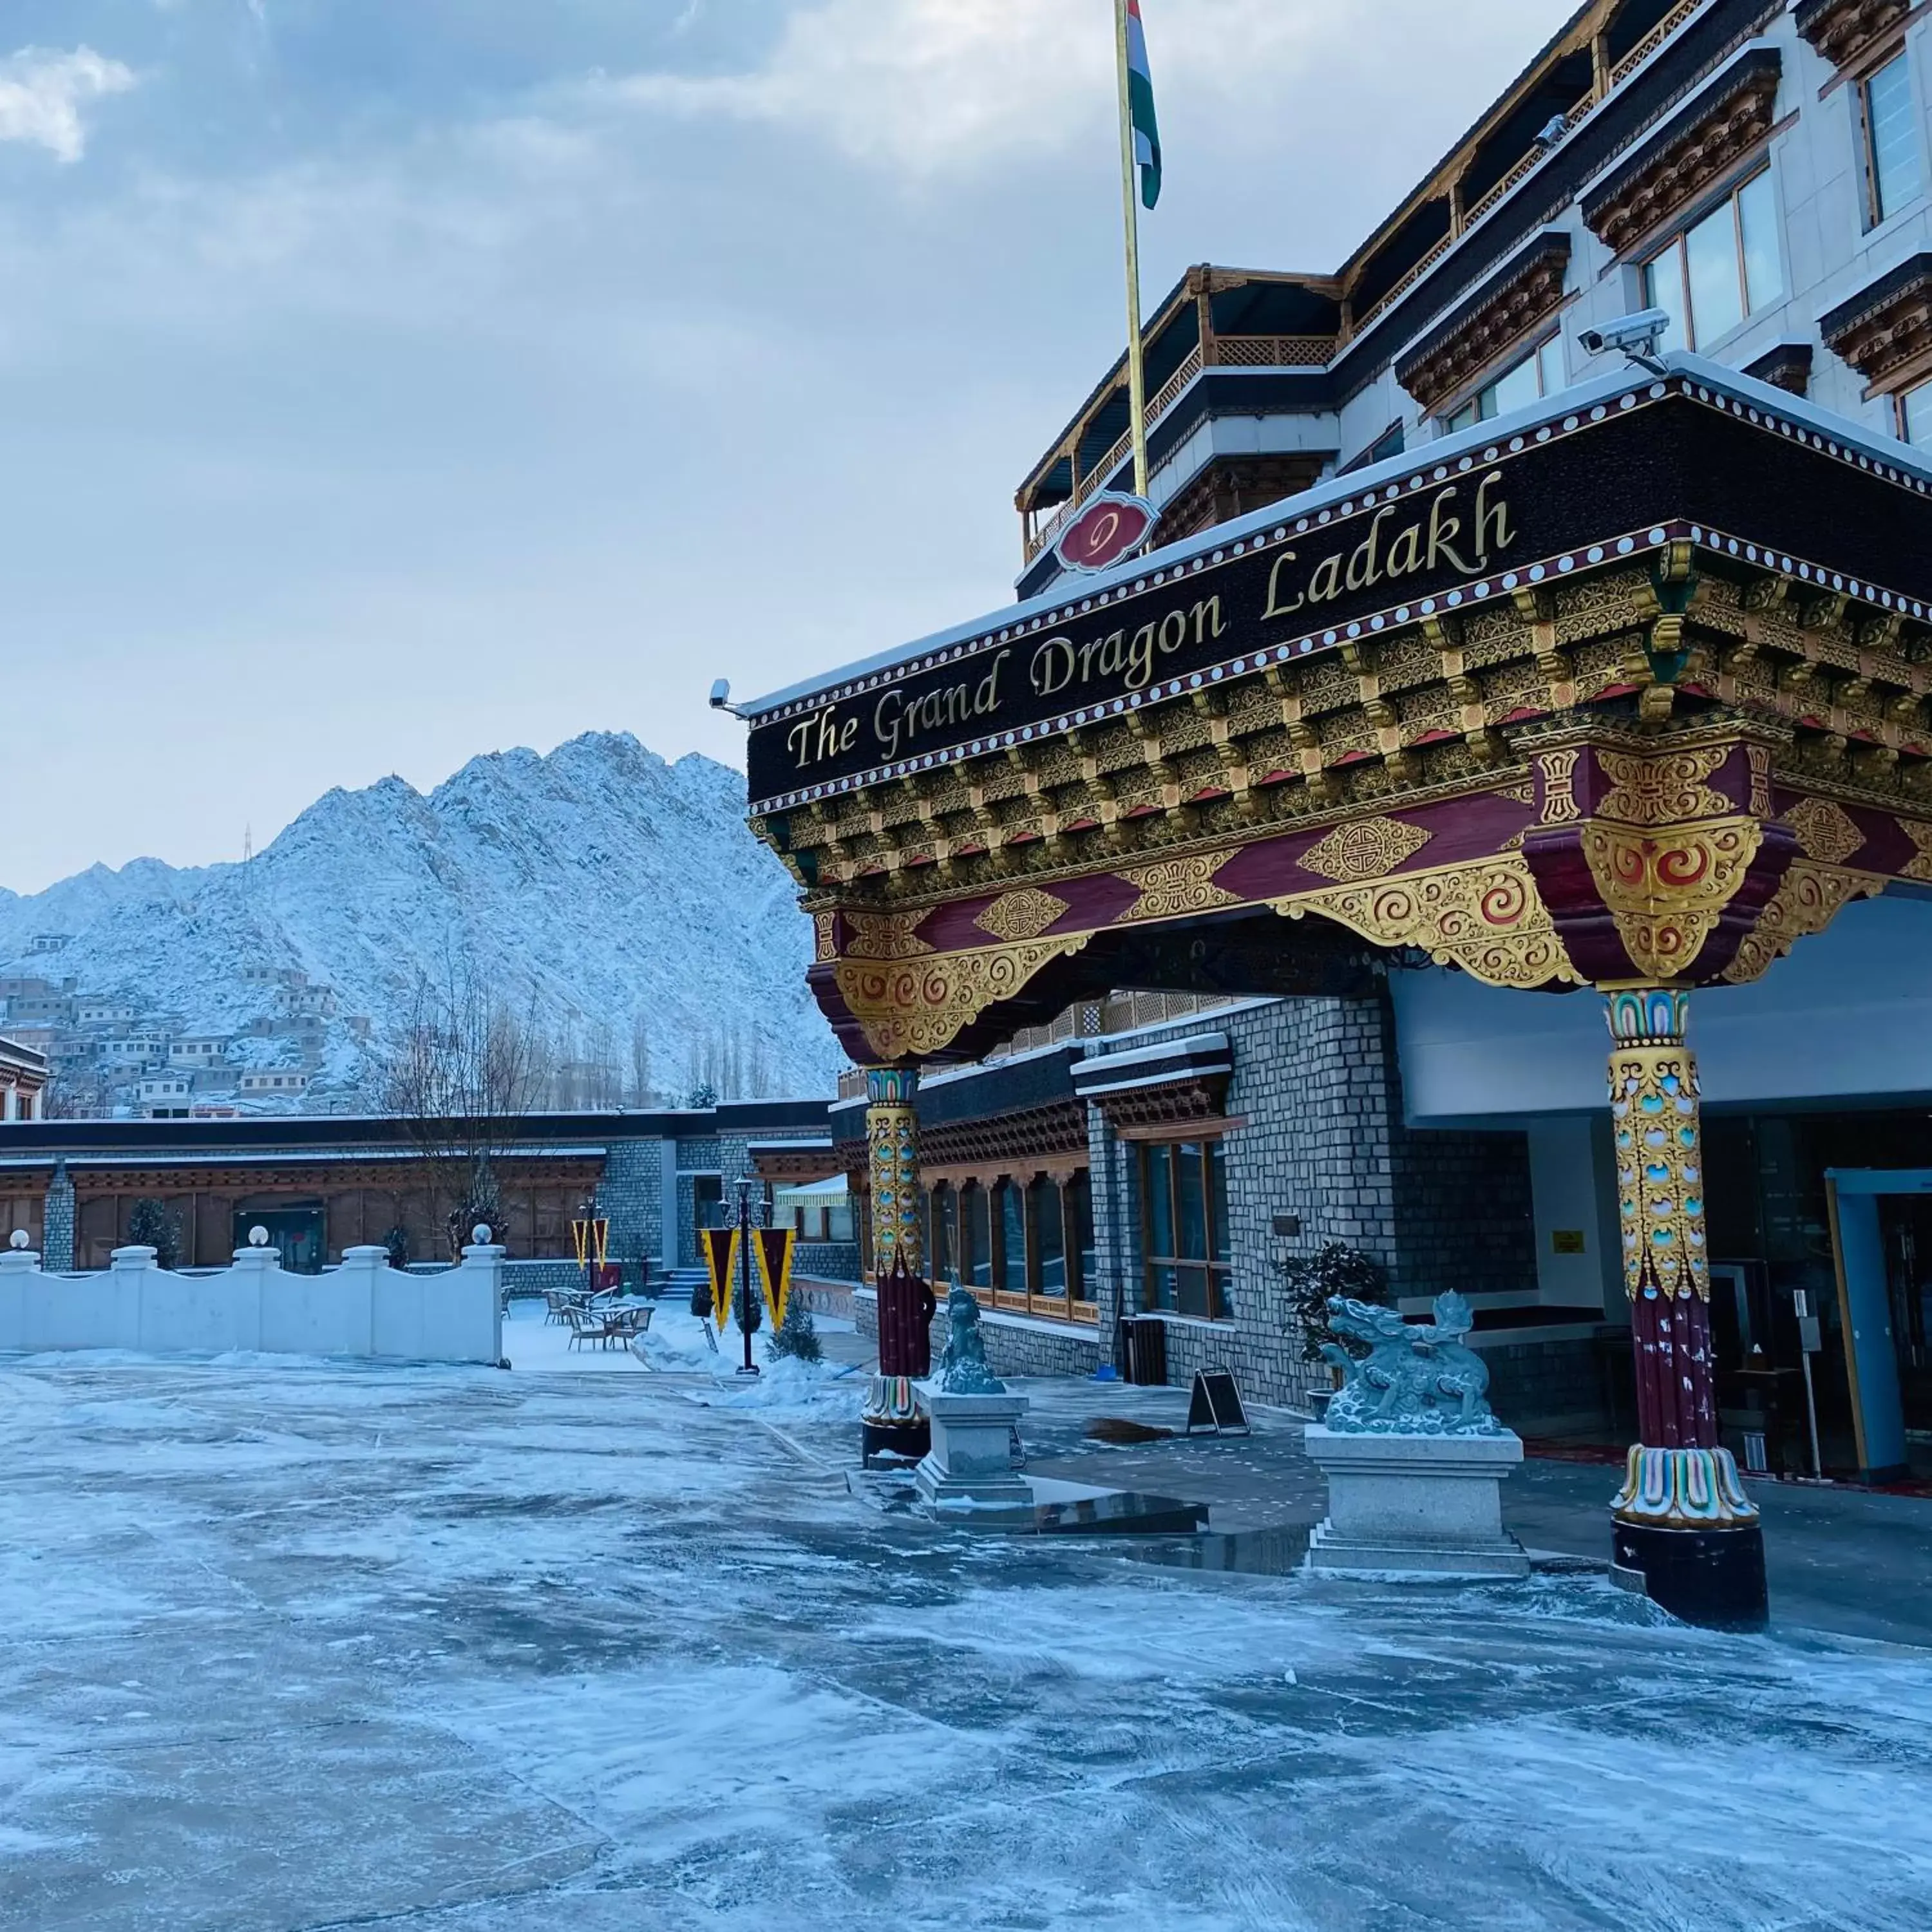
1628 691
1632 689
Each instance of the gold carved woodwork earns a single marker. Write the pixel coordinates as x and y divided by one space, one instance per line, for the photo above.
1024 913
824 948
911 1009
1485 918
1667 893
1824 831
1920 833
884 935
1175 886
1662 787
1810 897
1559 786
1369 848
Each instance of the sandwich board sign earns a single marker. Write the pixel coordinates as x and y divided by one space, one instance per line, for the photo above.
1216 1403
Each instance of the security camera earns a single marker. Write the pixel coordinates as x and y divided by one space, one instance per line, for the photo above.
1637 335
1551 133
721 694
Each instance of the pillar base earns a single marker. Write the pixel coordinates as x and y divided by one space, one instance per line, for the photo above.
1713 1577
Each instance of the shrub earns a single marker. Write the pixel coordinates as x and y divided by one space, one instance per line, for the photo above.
1334 1270
797 1335
150 1225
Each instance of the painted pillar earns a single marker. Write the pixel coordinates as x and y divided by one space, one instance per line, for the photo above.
892 1137
892 1420
1682 1516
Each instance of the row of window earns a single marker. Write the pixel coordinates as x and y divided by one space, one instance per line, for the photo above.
1726 266
1014 1240
1030 1243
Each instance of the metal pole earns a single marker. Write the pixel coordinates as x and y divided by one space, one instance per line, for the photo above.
1136 371
750 1368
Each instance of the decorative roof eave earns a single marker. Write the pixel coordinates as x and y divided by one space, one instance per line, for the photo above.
1717 128
1512 302
1887 324
1844 30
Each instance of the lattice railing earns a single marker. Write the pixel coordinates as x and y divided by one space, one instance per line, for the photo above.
1245 352
1624 69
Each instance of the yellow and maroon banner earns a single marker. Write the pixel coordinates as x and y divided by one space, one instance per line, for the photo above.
720 1256
773 1246
579 1235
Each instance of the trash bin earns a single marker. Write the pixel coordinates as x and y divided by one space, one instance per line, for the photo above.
1144 1349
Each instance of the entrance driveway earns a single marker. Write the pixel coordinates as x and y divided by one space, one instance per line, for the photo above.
292 1649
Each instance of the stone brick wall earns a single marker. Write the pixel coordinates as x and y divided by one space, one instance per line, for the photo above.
57 1222
1317 1084
1545 1387
1015 1344
631 1193
827 1260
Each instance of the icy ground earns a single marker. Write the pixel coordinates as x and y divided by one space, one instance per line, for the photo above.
464 1650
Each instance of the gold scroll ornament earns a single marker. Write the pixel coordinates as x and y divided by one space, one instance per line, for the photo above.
909 1010
1485 917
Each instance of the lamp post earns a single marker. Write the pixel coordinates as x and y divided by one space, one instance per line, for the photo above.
744 1303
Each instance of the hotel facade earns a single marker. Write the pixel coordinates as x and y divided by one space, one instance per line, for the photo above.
1476 690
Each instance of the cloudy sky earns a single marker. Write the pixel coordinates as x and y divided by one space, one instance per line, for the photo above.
387 381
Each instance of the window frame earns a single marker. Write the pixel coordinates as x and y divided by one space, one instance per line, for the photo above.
1207 1150
1897 54
1013 1282
1677 245
1471 398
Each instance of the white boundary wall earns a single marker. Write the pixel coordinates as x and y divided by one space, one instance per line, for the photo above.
364 1308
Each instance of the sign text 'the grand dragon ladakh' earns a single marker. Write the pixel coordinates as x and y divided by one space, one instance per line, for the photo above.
1435 529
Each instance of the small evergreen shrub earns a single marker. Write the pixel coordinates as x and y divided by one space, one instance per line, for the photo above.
150 1225
797 1336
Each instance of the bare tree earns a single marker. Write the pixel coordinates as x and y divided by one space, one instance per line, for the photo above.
641 1094
465 1067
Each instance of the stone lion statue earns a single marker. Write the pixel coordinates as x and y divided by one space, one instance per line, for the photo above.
1417 1378
962 1367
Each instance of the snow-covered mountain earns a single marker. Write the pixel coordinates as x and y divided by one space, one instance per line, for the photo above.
590 886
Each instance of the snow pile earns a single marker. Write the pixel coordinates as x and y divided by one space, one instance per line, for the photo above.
595 886
826 1391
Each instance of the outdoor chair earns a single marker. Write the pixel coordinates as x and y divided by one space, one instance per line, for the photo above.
585 1326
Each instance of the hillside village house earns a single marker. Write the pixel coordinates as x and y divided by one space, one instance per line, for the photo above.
1477 690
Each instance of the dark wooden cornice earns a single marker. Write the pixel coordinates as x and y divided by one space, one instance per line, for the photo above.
1787 366
1843 31
1717 128
1149 1112
1525 291
1887 325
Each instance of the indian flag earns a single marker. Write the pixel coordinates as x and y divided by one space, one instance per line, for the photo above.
1140 107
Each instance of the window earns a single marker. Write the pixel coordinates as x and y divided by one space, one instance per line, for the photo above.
975 1237
1893 174
1719 271
1049 1234
1914 416
1184 1228
1540 374
1012 1276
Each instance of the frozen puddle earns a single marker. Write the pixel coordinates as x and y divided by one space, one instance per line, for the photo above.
456 1650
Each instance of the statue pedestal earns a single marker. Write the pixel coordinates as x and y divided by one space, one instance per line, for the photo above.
1427 1503
970 1465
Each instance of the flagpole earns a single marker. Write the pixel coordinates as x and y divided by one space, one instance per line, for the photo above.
1136 368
